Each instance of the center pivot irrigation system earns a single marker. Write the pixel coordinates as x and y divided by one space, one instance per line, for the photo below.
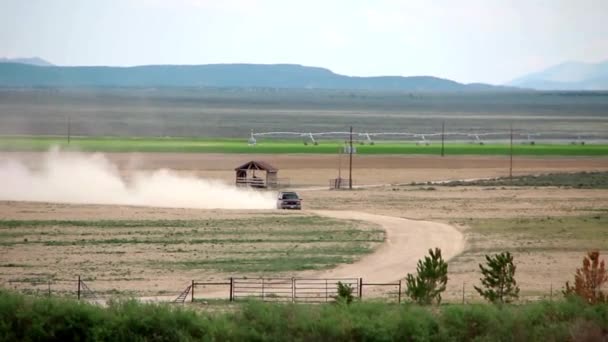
423 138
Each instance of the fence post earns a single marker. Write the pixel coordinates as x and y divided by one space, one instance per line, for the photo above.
399 300
463 292
326 290
551 292
78 287
231 289
360 288
263 297
49 288
192 292
293 289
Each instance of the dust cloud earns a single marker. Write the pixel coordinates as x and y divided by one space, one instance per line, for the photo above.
69 177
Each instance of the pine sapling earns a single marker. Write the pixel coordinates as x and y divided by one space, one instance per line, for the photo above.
430 281
498 279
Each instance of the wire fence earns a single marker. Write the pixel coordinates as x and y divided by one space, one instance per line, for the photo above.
234 289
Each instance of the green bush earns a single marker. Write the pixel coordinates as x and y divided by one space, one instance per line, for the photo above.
426 286
50 319
498 279
345 293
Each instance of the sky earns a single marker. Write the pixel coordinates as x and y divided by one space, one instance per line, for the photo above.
492 41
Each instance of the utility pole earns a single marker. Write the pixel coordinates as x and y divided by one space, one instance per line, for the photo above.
511 156
69 129
350 160
340 162
339 181
442 138
463 292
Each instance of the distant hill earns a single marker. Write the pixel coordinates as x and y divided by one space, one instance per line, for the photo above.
221 75
31 61
567 76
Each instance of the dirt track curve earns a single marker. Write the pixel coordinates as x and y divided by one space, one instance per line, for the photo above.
406 242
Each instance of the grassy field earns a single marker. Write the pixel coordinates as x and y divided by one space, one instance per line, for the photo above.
190 145
547 250
125 250
576 180
48 319
576 233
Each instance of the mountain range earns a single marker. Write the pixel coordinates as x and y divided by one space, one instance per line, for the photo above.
22 74
567 76
36 72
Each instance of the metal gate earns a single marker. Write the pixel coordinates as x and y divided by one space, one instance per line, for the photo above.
291 289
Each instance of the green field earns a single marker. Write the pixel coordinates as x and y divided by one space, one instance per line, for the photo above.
192 145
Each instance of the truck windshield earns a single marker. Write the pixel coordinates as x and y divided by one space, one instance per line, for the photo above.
290 196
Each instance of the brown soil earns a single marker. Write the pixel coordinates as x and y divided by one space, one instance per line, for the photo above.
316 170
446 205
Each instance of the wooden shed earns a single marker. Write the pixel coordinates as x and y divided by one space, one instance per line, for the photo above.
257 174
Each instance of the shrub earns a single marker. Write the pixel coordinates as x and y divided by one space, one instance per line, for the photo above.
345 293
589 280
499 285
24 318
430 280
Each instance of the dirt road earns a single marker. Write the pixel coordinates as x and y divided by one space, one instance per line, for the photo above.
406 242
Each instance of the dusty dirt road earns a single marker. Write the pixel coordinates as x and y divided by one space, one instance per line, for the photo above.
406 242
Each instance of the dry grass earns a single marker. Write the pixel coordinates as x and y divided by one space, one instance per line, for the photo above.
122 252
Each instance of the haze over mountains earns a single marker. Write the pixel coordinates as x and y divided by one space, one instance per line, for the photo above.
567 76
31 61
36 72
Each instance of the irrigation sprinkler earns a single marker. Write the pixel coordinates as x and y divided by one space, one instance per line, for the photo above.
419 138
368 138
578 141
252 141
475 139
529 138
312 138
423 140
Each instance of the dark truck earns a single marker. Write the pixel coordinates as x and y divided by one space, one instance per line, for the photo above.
289 200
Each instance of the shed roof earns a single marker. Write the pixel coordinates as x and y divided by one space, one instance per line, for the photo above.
257 165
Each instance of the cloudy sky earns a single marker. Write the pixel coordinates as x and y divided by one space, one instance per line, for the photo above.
467 40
